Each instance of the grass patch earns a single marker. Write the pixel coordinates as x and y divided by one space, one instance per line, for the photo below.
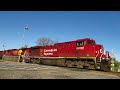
1 60
116 69
10 58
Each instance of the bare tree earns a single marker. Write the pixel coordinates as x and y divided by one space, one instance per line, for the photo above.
25 46
43 41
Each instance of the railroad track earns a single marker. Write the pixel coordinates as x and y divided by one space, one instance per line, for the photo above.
112 73
101 72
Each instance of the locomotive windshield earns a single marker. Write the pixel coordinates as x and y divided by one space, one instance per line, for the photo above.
91 42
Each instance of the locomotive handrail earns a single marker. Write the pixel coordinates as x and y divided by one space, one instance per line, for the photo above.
97 54
101 57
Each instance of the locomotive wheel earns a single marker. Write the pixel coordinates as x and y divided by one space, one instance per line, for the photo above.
85 67
69 64
91 67
97 67
79 64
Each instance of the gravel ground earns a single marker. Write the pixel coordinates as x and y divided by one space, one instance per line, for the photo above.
15 70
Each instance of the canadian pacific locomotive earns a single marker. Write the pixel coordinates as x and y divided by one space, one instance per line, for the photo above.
82 53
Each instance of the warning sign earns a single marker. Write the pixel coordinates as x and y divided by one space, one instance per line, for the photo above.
20 52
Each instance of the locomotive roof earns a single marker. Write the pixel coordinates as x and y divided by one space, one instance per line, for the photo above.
75 40
84 39
12 49
35 46
64 42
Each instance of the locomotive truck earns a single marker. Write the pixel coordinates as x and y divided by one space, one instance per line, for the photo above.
82 53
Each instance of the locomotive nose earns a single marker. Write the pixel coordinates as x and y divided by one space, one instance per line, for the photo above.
99 51
99 48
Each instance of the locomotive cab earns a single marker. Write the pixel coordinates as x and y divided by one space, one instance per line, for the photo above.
85 48
92 54
89 48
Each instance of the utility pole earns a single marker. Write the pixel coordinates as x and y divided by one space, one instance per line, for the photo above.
23 36
4 46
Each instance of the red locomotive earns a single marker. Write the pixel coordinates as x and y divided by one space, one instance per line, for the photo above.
82 53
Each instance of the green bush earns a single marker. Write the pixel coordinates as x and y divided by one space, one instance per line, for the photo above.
116 63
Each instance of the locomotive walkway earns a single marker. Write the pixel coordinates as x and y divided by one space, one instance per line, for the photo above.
15 70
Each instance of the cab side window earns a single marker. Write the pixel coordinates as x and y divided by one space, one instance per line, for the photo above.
80 43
